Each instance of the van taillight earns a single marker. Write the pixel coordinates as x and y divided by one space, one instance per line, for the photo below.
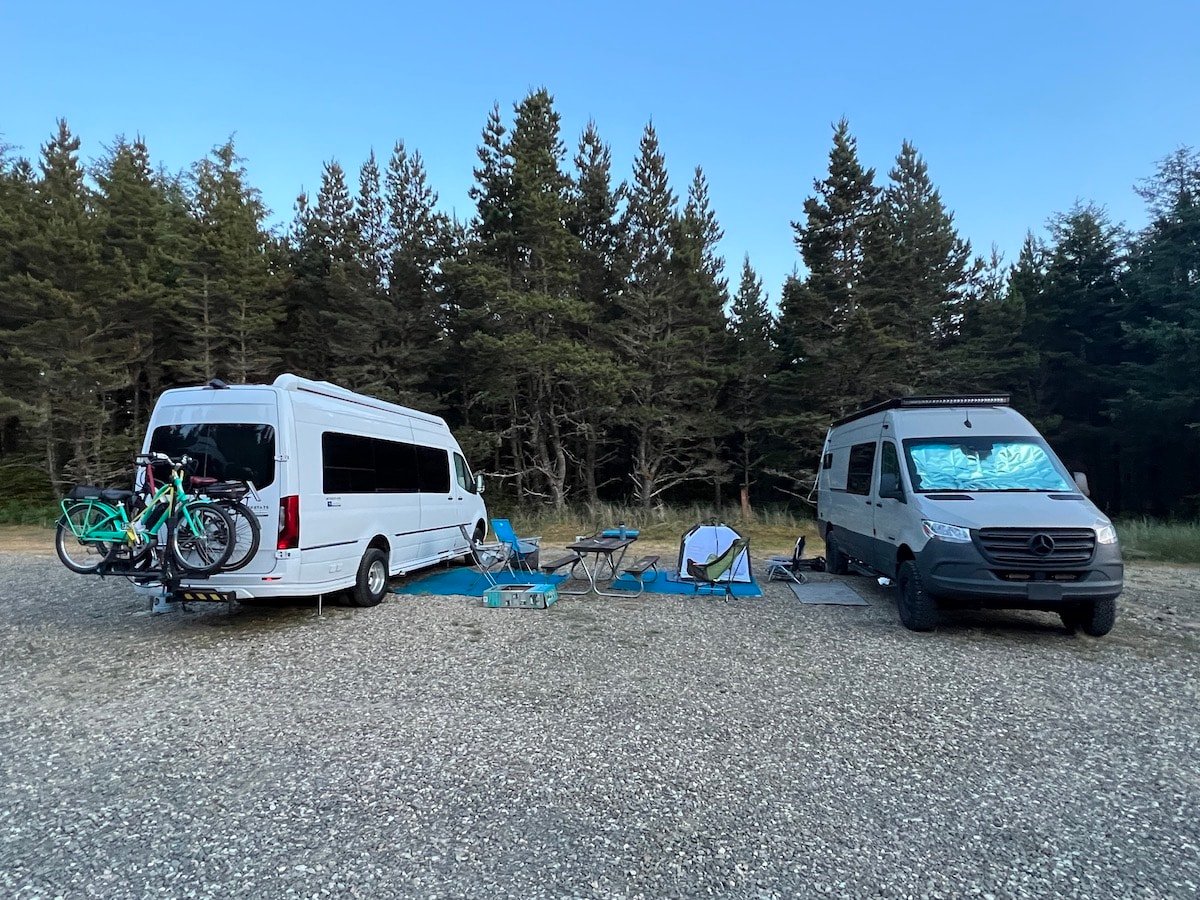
289 522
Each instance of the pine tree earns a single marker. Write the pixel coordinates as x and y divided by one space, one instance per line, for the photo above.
750 325
828 344
667 390
603 270
1076 323
917 273
414 339
520 282
145 247
54 369
1159 410
988 351
235 309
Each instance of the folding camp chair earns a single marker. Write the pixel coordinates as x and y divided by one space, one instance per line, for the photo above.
522 551
787 568
487 557
712 571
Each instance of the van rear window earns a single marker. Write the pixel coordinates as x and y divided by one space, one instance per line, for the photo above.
234 451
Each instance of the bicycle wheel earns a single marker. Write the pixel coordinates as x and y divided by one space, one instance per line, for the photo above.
70 543
206 549
247 533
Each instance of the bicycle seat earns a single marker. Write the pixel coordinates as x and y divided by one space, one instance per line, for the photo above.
201 481
91 492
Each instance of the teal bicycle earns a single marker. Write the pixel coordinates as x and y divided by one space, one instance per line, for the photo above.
104 530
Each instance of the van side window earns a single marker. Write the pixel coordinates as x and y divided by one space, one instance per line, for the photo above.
463 474
862 464
352 464
433 467
889 462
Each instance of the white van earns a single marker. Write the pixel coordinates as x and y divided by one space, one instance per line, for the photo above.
350 489
960 498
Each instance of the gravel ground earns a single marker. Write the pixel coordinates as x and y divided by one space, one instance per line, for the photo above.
616 748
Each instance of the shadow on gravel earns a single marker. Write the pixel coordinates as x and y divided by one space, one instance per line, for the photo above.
258 615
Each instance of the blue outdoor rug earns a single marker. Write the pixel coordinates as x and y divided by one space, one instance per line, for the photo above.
670 583
466 582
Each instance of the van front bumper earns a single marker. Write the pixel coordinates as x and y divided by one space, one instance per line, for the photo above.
960 572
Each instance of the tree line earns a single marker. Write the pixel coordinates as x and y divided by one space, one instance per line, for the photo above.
579 332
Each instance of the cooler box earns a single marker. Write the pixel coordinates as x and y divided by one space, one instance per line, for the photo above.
521 596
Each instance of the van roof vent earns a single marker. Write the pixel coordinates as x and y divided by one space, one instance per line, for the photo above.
938 401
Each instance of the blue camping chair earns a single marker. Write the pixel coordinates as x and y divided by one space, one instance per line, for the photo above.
522 552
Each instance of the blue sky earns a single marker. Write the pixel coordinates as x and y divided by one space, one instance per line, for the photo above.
1020 108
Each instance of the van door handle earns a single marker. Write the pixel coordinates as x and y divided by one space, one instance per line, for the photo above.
880 505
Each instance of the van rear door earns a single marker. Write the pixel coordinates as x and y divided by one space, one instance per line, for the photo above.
232 435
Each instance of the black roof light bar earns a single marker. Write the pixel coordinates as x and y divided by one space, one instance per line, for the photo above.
940 401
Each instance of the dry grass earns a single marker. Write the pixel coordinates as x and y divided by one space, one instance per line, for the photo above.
769 531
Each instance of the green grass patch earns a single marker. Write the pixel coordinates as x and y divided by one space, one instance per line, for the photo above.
1177 542
29 512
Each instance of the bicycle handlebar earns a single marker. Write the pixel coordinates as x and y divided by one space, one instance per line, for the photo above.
145 459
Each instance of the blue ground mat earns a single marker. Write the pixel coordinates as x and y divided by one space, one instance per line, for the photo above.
466 582
670 583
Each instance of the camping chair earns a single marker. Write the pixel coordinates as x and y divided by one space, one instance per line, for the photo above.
487 556
717 567
522 552
789 568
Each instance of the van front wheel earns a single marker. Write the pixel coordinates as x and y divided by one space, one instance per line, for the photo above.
371 583
1094 617
918 610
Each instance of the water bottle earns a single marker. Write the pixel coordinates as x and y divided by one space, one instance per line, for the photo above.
621 527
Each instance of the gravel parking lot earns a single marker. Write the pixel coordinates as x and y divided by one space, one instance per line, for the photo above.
616 748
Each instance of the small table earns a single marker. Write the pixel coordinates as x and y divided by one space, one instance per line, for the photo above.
607 554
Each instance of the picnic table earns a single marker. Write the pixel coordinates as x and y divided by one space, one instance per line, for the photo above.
606 555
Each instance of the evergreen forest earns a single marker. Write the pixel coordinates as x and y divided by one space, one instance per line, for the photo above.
580 331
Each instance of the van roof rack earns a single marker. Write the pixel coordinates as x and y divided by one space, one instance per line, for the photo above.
928 401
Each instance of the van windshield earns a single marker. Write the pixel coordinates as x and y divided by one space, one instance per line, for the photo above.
237 452
983 464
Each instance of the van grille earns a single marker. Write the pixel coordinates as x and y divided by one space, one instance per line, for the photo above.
1037 546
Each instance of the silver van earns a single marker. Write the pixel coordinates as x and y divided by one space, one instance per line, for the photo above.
960 499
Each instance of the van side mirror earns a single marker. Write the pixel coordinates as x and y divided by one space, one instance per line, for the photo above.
889 487
479 485
1081 482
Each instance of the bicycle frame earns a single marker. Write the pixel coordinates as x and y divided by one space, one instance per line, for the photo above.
116 526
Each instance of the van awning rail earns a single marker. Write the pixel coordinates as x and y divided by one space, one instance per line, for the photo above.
930 401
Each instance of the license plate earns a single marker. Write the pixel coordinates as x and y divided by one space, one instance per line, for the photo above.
1045 592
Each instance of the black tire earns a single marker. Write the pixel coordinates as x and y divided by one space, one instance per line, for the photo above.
836 562
371 582
1093 617
206 553
81 557
918 611
247 534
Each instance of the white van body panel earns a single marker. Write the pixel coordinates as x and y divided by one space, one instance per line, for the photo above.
336 528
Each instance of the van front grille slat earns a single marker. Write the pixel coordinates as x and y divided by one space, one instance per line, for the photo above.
1029 546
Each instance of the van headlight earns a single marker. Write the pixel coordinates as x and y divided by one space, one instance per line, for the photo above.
954 534
1106 534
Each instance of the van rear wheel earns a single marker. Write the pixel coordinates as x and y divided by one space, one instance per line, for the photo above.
371 582
836 562
918 611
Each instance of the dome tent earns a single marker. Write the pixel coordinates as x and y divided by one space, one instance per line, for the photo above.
709 540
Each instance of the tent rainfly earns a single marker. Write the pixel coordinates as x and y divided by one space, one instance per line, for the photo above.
708 541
